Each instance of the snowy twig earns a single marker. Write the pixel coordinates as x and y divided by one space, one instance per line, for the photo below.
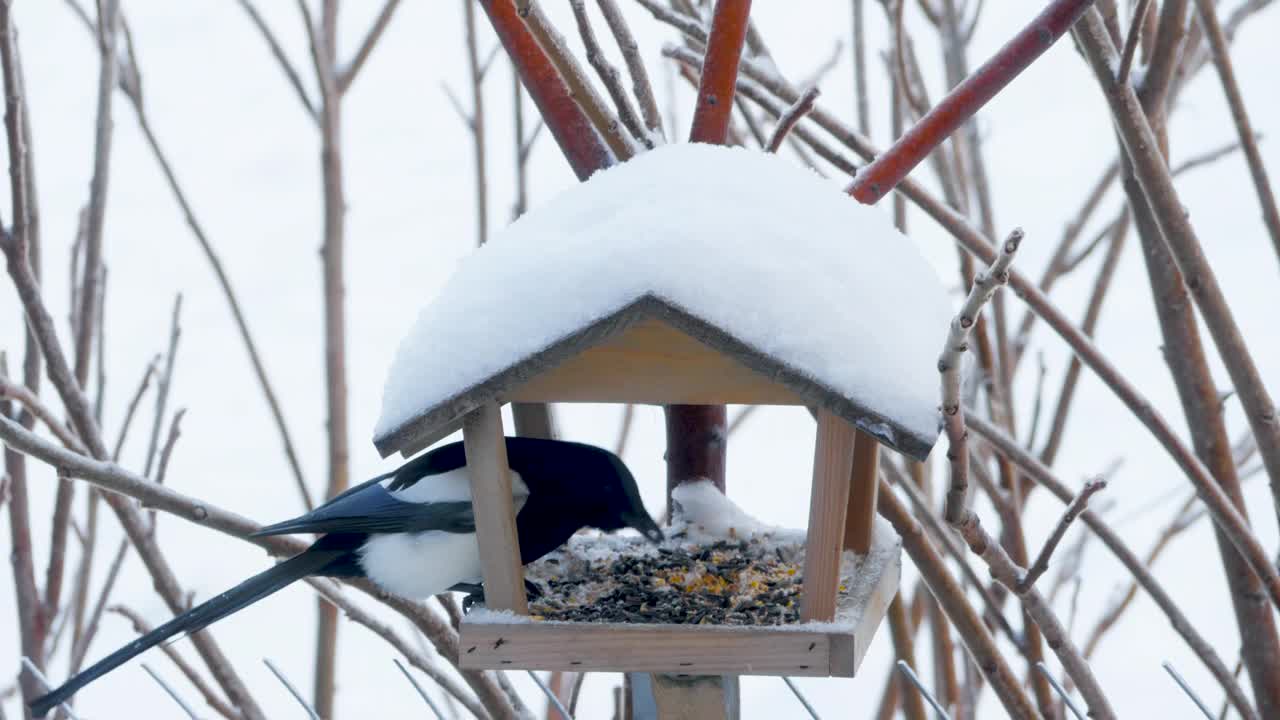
791 116
800 696
551 696
984 286
34 671
1073 511
963 519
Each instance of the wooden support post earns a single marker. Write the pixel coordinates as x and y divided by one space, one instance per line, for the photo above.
861 516
696 697
486 450
828 503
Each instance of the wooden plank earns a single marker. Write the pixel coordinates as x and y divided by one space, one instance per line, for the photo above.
486 451
864 485
828 503
684 649
848 649
652 362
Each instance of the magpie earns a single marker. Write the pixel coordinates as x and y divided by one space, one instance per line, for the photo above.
412 532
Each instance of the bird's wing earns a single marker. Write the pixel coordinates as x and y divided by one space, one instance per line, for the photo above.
374 510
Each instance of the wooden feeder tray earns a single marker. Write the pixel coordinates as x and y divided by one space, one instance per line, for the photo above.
695 604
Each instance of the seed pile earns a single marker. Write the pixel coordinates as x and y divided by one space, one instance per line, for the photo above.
723 582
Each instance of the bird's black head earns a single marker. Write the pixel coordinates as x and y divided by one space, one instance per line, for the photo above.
579 485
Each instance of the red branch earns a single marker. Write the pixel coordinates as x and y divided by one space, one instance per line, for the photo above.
875 180
720 71
577 139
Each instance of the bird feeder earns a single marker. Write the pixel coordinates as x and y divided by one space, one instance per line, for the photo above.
691 274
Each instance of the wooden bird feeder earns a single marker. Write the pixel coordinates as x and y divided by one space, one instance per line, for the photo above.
659 347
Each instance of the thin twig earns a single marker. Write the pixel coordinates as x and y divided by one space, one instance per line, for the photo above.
295 80
347 75
435 710
609 75
292 690
163 384
624 429
171 692
551 696
1062 693
1073 511
475 120
793 115
34 671
911 675
640 85
813 713
1131 40
1168 667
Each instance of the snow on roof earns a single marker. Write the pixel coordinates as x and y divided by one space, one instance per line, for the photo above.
756 246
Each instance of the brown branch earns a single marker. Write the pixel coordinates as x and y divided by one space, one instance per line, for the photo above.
1152 174
964 520
476 122
720 71
968 625
640 85
900 631
10 390
1131 40
332 594
791 117
224 282
347 75
163 383
295 80
878 178
1235 101
1077 506
1040 473
572 76
859 49
108 26
581 145
609 75
211 696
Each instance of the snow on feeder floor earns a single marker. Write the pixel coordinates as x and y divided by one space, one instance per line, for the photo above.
721 595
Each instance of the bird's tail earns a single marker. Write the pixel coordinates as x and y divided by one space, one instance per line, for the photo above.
241 596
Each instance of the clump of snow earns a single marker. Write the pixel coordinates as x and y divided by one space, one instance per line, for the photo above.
749 242
497 617
702 508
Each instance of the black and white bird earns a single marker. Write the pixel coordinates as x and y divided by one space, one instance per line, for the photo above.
412 532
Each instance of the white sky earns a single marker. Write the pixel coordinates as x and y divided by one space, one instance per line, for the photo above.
249 160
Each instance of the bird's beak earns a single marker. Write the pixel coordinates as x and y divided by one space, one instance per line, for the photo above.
647 527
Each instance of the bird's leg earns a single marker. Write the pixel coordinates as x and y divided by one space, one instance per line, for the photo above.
475 593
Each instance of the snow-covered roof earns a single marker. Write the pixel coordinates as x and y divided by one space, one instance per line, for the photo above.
760 258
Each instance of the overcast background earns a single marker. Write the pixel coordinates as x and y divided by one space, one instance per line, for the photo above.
249 159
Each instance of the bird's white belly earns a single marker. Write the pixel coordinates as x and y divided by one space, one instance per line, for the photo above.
418 565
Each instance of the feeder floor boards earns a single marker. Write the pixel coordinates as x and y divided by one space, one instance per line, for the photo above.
609 577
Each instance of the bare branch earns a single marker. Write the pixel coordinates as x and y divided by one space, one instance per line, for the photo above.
211 696
609 74
295 80
1073 511
1131 41
640 85
348 75
793 115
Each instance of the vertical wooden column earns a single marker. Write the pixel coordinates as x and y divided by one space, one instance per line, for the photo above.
486 450
865 483
828 503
